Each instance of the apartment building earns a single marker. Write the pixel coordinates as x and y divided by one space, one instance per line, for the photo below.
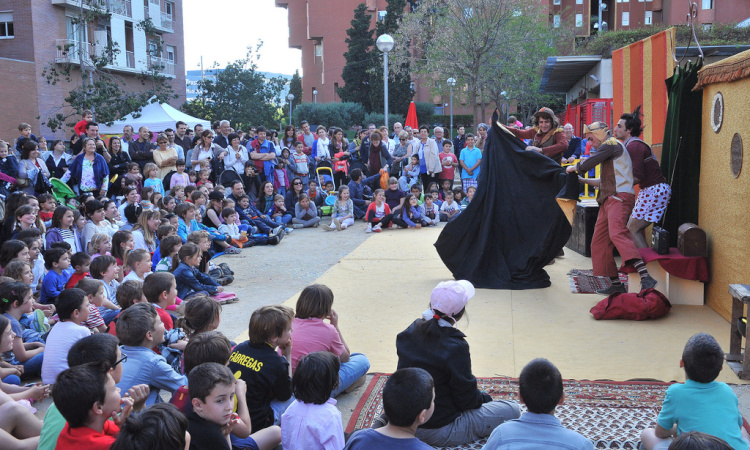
39 34
630 14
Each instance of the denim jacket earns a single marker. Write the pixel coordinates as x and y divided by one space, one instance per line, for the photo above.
146 367
190 279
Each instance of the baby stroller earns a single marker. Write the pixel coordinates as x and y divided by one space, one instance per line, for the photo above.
61 191
228 176
325 174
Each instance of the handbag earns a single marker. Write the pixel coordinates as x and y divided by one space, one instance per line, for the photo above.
42 185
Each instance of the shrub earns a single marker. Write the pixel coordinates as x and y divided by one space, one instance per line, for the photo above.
425 113
379 119
342 115
466 120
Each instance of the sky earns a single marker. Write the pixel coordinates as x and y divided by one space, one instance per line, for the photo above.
221 31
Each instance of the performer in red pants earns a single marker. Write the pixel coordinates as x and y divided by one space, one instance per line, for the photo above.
616 199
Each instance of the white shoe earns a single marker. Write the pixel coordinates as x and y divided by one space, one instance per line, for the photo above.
369 229
377 229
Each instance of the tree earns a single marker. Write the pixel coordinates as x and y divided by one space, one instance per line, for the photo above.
238 93
359 58
477 42
101 90
295 86
400 92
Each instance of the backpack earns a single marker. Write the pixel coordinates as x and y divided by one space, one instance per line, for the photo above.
647 304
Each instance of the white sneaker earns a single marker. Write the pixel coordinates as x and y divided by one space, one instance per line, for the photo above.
377 229
369 228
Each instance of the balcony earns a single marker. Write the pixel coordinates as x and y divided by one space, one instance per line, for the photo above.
163 66
71 52
130 60
161 20
87 4
121 7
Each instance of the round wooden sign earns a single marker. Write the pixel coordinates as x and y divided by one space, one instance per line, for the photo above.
717 112
736 155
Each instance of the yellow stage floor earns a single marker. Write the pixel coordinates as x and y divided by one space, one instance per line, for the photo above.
385 283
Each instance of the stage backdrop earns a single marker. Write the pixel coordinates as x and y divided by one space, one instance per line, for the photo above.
638 74
724 206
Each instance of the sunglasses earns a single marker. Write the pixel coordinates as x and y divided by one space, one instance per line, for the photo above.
297 183
121 360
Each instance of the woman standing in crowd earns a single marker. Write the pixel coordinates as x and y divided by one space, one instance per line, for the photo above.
320 153
236 156
164 157
401 152
205 151
117 164
377 156
339 151
290 136
30 166
57 161
463 413
88 171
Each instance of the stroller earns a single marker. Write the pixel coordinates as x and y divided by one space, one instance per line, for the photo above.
61 191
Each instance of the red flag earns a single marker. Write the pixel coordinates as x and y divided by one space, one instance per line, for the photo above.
411 117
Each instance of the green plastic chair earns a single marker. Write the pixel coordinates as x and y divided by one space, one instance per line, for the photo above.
61 191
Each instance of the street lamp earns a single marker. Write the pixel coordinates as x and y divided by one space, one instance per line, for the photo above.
385 44
315 96
290 99
451 82
504 95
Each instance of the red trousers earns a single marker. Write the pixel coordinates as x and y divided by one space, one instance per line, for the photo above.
611 231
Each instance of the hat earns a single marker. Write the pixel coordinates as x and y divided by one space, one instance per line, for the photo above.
600 130
549 114
450 297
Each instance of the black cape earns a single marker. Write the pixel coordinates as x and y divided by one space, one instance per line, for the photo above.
513 227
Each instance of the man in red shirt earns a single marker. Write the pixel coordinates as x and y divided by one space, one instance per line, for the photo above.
654 194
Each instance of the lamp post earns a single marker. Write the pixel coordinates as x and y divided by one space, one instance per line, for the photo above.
385 44
505 105
315 96
451 82
290 99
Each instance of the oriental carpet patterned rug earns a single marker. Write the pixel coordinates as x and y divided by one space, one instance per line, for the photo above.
611 414
584 281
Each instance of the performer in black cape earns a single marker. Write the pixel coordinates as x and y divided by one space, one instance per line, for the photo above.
513 227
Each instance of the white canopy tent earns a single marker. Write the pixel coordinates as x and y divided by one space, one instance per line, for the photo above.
157 117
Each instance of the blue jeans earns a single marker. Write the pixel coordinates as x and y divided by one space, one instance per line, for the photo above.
32 367
351 371
12 379
279 407
283 220
108 315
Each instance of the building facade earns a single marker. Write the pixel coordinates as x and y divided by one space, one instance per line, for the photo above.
38 34
631 14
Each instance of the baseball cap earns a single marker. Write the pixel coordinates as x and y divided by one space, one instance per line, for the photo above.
450 297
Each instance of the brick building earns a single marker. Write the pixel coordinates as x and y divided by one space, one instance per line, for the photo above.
37 33
630 14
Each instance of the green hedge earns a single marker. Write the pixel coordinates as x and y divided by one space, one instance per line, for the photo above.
425 113
467 120
379 119
342 115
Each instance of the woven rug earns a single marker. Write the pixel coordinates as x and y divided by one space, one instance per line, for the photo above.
584 281
611 414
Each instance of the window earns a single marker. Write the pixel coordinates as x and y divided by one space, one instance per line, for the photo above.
468 13
381 15
412 86
555 2
6 25
153 47
708 4
319 50
579 2
648 18
707 26
625 19
170 53
579 20
556 21
169 9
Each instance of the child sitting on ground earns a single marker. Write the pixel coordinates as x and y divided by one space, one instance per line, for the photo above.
190 280
411 174
449 209
159 427
305 213
27 348
80 262
146 194
317 196
430 211
470 191
540 388
416 191
343 211
73 311
231 229
201 314
140 329
378 214
312 334
279 214
169 246
56 261
268 375
409 216
161 289
95 292
437 198
317 375
128 294
408 402
87 398
101 244
394 197
105 268
701 403
139 262
458 195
